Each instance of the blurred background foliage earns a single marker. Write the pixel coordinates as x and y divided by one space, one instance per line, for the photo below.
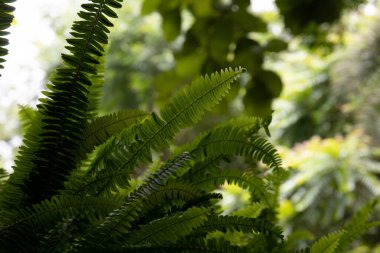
314 63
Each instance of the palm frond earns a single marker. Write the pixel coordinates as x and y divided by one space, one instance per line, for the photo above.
6 19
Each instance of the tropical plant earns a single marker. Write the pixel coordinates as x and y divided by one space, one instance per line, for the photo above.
332 178
82 182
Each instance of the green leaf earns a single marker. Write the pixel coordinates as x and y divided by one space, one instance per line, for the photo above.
150 6
203 8
356 226
328 243
239 223
171 24
26 114
156 132
100 129
170 228
276 45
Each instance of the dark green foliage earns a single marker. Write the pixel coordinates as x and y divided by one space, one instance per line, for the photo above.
6 19
309 17
238 223
49 153
82 182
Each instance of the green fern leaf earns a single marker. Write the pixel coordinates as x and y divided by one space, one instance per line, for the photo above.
356 226
156 132
170 228
189 246
249 125
38 218
117 224
212 180
122 220
328 243
49 151
239 223
97 82
98 130
161 176
229 140
26 114
6 19
175 193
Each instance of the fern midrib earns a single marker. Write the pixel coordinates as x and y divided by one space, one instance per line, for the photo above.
137 151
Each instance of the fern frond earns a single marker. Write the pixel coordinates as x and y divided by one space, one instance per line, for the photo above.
208 183
170 228
203 168
95 90
156 132
125 218
239 223
356 226
159 178
230 140
249 125
117 224
193 246
38 218
48 155
189 104
253 210
328 243
6 19
175 193
26 115
100 129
